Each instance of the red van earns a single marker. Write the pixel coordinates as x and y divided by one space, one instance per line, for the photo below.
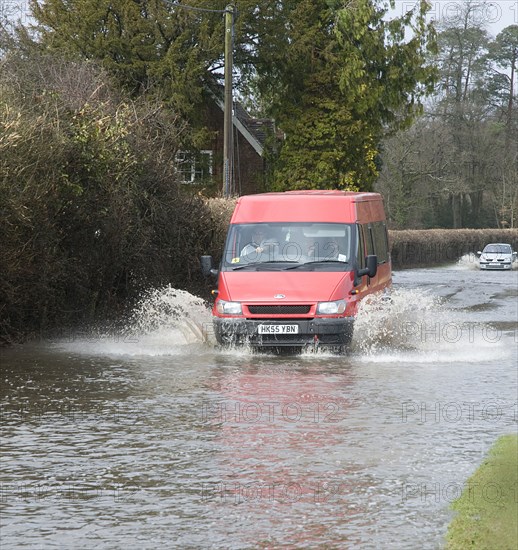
295 267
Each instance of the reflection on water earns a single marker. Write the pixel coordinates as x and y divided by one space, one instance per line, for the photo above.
169 443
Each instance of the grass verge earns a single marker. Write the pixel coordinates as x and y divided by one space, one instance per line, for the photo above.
487 516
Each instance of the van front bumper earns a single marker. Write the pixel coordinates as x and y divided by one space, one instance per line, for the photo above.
322 331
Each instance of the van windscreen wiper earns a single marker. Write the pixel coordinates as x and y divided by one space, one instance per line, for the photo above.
259 264
315 262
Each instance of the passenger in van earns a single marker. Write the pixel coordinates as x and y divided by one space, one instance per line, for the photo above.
297 245
258 244
331 250
328 250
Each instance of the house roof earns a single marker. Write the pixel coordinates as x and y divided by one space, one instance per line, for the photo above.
254 130
258 127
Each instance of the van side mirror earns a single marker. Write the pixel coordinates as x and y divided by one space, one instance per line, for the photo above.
479 253
206 266
372 266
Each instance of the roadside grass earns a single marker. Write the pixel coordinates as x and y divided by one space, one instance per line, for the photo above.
487 516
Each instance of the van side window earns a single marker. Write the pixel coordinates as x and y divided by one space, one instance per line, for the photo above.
369 237
387 246
379 234
360 253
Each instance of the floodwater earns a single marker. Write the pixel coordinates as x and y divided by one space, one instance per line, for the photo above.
152 438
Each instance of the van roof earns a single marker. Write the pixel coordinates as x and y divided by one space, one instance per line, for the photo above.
354 195
309 205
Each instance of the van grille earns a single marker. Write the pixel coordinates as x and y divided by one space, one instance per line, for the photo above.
279 310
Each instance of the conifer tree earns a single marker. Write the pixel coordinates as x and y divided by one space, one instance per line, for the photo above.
335 75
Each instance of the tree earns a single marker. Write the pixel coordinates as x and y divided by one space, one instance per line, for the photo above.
460 160
462 46
503 57
463 110
344 77
336 76
409 160
324 145
145 45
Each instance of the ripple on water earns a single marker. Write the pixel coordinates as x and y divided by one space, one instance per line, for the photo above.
179 445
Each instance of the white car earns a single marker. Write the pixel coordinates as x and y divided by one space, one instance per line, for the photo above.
497 256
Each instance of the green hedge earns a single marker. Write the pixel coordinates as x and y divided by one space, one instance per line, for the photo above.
413 248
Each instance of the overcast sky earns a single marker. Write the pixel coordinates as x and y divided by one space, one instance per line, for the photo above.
496 14
14 9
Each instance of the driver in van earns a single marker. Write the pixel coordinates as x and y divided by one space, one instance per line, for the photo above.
258 244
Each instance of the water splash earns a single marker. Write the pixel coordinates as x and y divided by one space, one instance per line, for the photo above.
386 322
415 326
412 325
468 262
166 321
169 309
471 262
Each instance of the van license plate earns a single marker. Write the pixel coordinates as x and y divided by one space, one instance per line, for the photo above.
278 329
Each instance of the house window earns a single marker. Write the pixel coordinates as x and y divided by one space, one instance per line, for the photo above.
194 167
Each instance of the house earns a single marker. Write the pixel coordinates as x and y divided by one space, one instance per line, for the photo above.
250 136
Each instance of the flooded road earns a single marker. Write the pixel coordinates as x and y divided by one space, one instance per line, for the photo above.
154 439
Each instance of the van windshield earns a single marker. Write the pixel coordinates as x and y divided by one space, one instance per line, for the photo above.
279 246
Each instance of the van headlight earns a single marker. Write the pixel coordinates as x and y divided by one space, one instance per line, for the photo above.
229 308
331 308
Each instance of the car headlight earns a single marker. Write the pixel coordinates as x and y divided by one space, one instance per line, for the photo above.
331 308
229 308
